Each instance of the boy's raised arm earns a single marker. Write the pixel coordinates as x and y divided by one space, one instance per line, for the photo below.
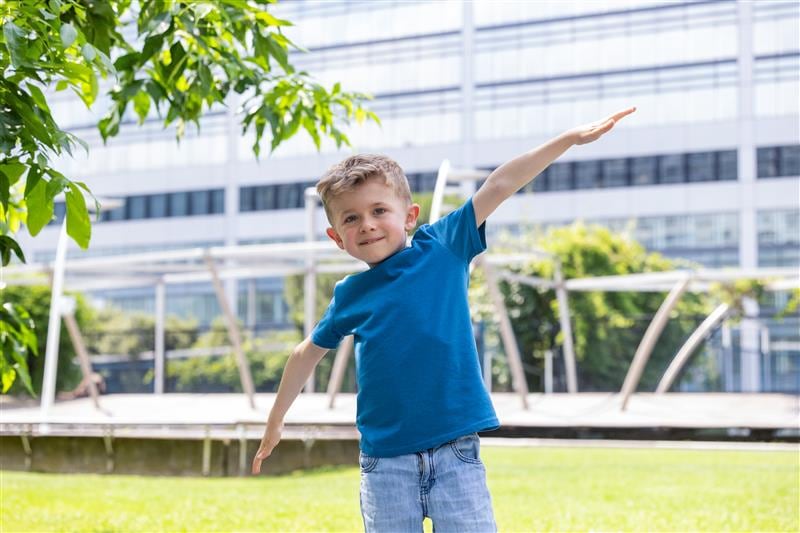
298 368
511 176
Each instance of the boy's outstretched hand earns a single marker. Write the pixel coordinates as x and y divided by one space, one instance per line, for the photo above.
594 130
272 435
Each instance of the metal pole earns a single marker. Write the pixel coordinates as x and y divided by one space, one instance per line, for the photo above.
83 356
507 334
566 329
438 191
159 355
233 332
339 367
53 329
649 340
548 372
310 281
689 347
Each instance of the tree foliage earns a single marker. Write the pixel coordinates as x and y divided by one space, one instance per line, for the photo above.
607 326
35 300
172 59
266 357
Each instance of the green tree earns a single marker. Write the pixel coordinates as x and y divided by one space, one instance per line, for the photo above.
36 301
266 357
179 59
607 326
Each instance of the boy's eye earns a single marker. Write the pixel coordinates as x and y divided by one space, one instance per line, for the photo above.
349 219
380 210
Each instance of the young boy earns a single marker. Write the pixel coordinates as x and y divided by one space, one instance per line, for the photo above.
421 398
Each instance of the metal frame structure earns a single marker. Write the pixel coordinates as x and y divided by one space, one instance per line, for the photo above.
311 257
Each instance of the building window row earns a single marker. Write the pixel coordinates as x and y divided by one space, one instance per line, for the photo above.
272 197
778 161
636 171
171 204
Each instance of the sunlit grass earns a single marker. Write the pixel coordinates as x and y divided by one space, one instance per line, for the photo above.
532 489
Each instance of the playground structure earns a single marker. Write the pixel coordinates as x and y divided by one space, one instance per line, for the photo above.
223 265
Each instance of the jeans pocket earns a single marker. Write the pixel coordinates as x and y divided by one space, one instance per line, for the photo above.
467 448
367 463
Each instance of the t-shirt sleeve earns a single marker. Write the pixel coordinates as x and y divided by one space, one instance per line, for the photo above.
459 232
325 334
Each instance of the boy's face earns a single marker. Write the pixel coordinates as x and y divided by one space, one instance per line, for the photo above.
370 222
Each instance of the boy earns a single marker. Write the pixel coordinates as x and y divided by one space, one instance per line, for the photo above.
421 399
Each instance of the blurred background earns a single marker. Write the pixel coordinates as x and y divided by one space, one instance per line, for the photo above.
705 173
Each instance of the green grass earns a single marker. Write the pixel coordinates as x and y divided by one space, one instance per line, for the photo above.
532 489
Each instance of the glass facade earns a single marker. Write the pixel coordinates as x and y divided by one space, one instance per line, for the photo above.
778 237
778 161
456 78
636 171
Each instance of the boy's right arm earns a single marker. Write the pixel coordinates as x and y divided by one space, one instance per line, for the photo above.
298 369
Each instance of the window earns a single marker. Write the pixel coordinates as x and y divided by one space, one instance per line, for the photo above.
701 166
199 202
615 173
644 171
559 177
157 205
246 198
540 182
289 196
179 204
263 198
217 201
137 207
670 168
790 160
587 174
117 213
767 162
727 165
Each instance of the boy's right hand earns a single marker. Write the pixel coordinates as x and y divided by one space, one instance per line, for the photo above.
272 435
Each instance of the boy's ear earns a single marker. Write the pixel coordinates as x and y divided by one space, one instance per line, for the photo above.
411 216
335 237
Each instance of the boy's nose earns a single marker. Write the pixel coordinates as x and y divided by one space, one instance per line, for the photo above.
367 225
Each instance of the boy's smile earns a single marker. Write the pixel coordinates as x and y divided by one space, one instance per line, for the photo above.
370 222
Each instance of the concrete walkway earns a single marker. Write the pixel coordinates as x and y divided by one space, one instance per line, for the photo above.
589 410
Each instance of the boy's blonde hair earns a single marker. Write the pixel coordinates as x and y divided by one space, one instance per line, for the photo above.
355 170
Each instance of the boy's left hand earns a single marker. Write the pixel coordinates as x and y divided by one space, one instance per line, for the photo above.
594 130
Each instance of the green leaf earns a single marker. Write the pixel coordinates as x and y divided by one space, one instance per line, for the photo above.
61 85
68 34
21 367
109 125
141 105
7 245
160 23
8 376
127 61
4 192
13 171
97 206
34 175
40 208
17 44
269 20
201 11
78 225
38 97
311 128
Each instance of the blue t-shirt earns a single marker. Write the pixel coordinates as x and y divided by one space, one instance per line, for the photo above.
417 367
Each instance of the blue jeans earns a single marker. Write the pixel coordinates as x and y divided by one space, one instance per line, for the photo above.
446 483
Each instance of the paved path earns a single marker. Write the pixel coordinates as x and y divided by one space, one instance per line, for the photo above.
590 410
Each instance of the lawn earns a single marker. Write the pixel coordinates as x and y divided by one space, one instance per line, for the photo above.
532 489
